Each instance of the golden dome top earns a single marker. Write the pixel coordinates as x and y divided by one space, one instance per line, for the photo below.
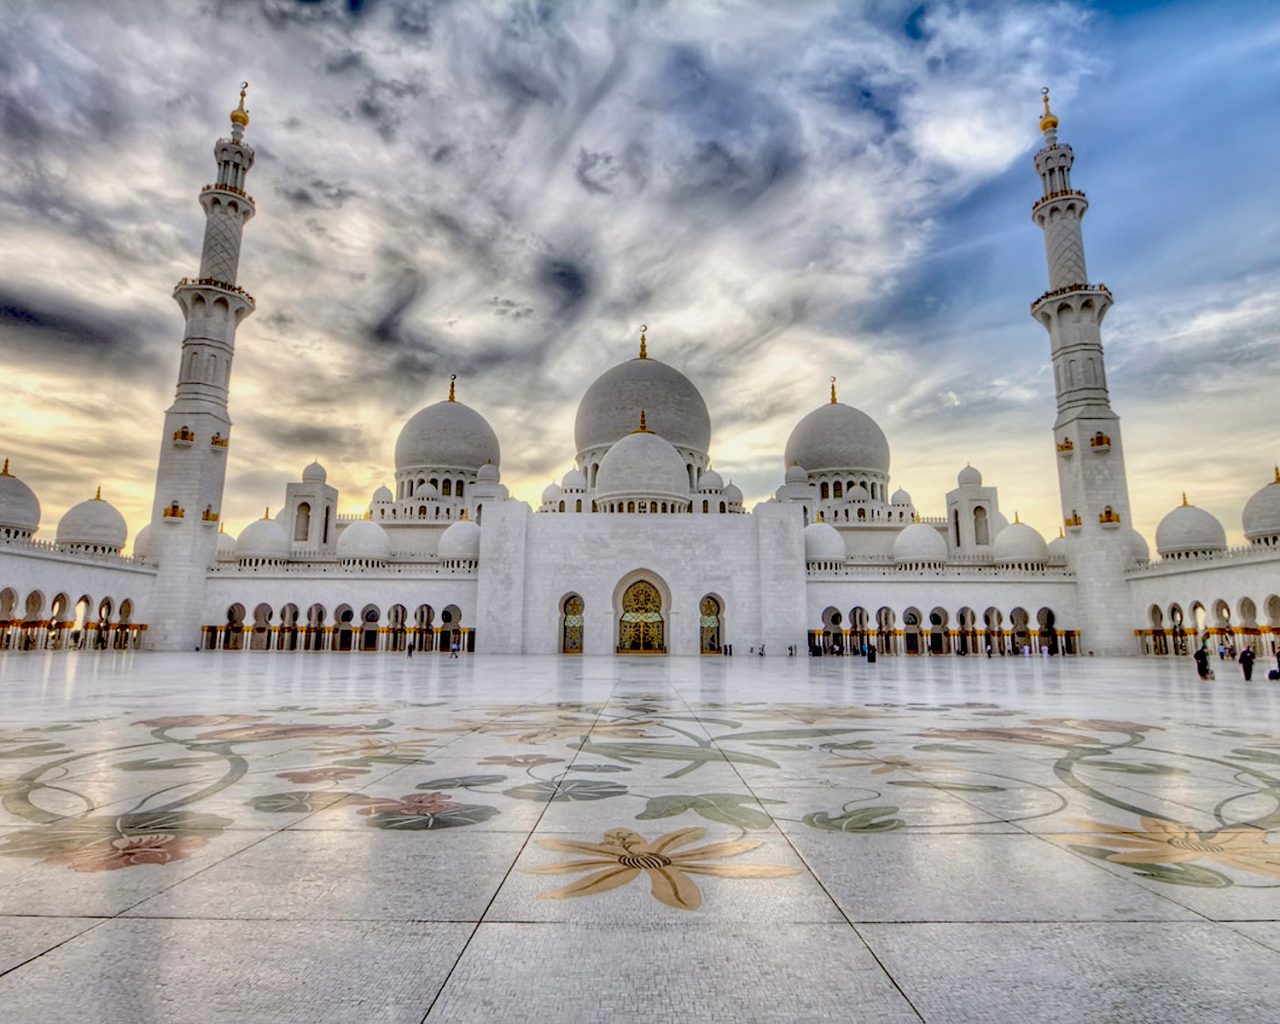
1049 121
833 391
240 116
644 352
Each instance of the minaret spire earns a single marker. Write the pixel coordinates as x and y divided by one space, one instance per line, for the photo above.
197 427
644 353
1091 477
833 391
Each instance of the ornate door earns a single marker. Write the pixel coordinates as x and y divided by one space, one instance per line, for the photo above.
571 635
710 624
640 630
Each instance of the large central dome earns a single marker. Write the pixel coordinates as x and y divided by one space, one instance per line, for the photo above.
838 437
673 406
447 435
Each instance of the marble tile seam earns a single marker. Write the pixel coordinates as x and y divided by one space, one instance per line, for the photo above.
98 922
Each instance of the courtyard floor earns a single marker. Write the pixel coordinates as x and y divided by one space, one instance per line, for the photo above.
288 837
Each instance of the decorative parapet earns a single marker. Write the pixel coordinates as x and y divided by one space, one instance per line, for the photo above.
1066 447
1109 518
1100 442
1071 289
183 437
173 511
417 568
49 549
218 441
209 515
1242 554
1073 521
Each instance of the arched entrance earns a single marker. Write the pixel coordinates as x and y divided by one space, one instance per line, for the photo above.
1021 632
886 631
858 629
571 624
911 639
709 624
369 631
641 628
233 632
261 638
1159 642
344 631
1178 631
939 632
423 628
993 621
1049 630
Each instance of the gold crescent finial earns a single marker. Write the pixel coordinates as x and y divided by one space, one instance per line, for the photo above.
644 354
1015 516
5 471
833 391
1275 481
240 116
98 495
1048 122
644 426
267 513
452 377
1184 499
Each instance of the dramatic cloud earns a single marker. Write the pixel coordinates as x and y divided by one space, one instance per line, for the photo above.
506 190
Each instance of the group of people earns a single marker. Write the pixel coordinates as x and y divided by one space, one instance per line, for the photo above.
1244 659
453 649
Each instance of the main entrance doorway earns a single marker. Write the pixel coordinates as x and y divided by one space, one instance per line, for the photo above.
641 627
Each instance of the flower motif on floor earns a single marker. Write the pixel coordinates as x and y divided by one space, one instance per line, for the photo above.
521 760
1036 736
889 764
130 851
413 803
191 721
1096 725
305 775
561 727
282 731
1242 847
622 855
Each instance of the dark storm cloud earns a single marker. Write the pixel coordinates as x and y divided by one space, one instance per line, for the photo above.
568 283
39 328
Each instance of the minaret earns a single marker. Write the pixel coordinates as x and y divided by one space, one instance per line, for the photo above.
1091 476
197 429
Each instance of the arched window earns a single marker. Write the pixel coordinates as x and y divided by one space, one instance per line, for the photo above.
837 490
824 492
631 506
981 529
446 488
579 504
653 506
562 506
955 525
302 522
709 625
664 506
327 510
722 506
706 505
459 489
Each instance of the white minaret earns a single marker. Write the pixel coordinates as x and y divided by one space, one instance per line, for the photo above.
197 429
1091 476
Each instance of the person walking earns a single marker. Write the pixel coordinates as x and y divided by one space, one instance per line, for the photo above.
1201 658
1246 663
410 649
453 649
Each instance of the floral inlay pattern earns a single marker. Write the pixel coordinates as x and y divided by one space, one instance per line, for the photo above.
623 855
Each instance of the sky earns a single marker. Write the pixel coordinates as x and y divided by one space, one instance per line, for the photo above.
783 192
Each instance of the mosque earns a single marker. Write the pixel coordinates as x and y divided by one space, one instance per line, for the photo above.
642 548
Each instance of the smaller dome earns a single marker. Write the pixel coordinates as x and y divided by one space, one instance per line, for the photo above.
969 477
711 481
226 547
314 474
1188 529
1138 549
919 543
383 495
823 543
426 490
733 493
1019 543
551 493
19 507
460 541
487 474
796 475
900 497
142 543
574 481
645 465
363 539
1261 516
263 538
1057 547
93 524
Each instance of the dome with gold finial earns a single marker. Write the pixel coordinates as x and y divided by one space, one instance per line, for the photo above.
837 437
674 407
19 507
447 435
1261 519
1048 122
94 525
643 465
263 540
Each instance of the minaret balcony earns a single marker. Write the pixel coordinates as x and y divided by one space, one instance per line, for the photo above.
219 442
1108 519
173 512
183 437
229 188
1100 443
209 517
1073 521
213 282
1062 193
1066 448
1073 289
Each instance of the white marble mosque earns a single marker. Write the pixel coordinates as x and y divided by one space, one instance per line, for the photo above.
642 548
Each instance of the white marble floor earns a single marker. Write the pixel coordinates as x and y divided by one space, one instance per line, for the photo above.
295 837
